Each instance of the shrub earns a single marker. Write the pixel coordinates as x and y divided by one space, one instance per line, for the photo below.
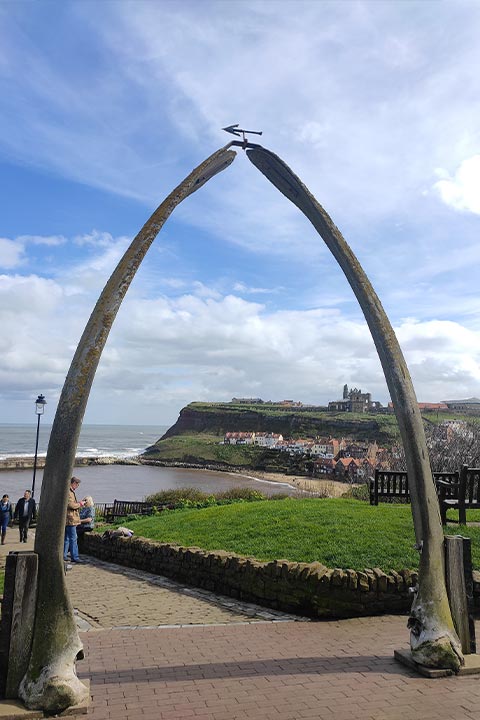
239 493
324 490
193 498
175 496
359 492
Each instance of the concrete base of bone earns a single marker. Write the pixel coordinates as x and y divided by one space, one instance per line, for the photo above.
471 667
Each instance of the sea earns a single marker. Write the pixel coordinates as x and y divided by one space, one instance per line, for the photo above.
95 440
106 483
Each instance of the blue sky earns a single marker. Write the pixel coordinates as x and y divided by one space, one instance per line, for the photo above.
105 107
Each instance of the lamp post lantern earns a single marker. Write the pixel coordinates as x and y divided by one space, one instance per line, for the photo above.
40 403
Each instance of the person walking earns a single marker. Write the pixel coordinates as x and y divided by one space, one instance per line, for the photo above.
6 515
25 510
72 521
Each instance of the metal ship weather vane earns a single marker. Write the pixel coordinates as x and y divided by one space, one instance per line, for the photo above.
235 130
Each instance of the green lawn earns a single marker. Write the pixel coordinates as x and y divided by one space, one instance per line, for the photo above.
337 532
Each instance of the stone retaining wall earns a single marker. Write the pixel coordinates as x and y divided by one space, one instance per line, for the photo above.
308 589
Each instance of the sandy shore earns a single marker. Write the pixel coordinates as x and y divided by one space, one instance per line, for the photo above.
324 488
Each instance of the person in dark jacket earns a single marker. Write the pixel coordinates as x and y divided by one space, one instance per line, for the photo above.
25 510
6 514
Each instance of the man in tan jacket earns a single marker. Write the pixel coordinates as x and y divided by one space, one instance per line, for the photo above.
73 519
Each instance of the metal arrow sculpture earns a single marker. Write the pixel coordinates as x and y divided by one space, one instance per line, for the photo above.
433 639
235 130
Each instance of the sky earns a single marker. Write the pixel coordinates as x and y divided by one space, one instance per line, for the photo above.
106 106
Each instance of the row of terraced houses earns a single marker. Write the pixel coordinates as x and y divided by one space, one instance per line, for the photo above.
341 459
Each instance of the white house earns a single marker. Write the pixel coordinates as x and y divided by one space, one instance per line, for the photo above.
239 438
268 440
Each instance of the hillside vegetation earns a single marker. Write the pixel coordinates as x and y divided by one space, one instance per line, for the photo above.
205 449
196 436
200 428
204 446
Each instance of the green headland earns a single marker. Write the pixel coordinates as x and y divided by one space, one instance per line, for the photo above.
197 436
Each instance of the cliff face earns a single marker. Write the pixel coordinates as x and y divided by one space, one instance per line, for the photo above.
217 420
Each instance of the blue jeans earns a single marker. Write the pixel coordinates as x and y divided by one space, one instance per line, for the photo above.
70 542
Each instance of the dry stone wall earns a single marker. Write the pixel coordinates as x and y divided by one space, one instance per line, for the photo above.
309 589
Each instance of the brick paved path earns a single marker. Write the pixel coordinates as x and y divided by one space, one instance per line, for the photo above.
12 542
108 595
269 671
239 669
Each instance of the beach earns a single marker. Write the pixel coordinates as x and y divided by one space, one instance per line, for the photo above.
303 483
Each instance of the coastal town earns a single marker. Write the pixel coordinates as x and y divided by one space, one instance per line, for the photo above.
341 458
330 457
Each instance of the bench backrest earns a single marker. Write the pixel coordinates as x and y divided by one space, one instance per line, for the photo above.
394 484
470 484
450 487
130 507
389 483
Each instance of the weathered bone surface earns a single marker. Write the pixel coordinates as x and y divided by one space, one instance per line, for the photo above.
51 683
433 639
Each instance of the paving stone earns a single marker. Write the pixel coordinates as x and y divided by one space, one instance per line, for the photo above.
125 598
273 671
196 655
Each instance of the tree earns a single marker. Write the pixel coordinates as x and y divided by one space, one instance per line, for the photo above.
450 445
433 639
51 683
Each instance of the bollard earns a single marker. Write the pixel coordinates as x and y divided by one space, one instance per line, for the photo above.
18 619
458 570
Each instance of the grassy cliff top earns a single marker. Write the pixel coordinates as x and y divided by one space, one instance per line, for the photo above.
291 421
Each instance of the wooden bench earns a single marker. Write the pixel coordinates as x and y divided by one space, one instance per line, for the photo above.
388 485
123 508
461 495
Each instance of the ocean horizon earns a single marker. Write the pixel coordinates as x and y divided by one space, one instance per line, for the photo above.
18 440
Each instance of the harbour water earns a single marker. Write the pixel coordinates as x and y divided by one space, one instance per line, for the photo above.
123 482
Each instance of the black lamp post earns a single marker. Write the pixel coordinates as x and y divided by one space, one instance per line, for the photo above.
40 403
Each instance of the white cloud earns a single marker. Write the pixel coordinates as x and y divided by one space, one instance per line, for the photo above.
462 191
24 295
49 240
38 328
91 274
95 239
11 253
201 290
174 283
241 287
164 352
